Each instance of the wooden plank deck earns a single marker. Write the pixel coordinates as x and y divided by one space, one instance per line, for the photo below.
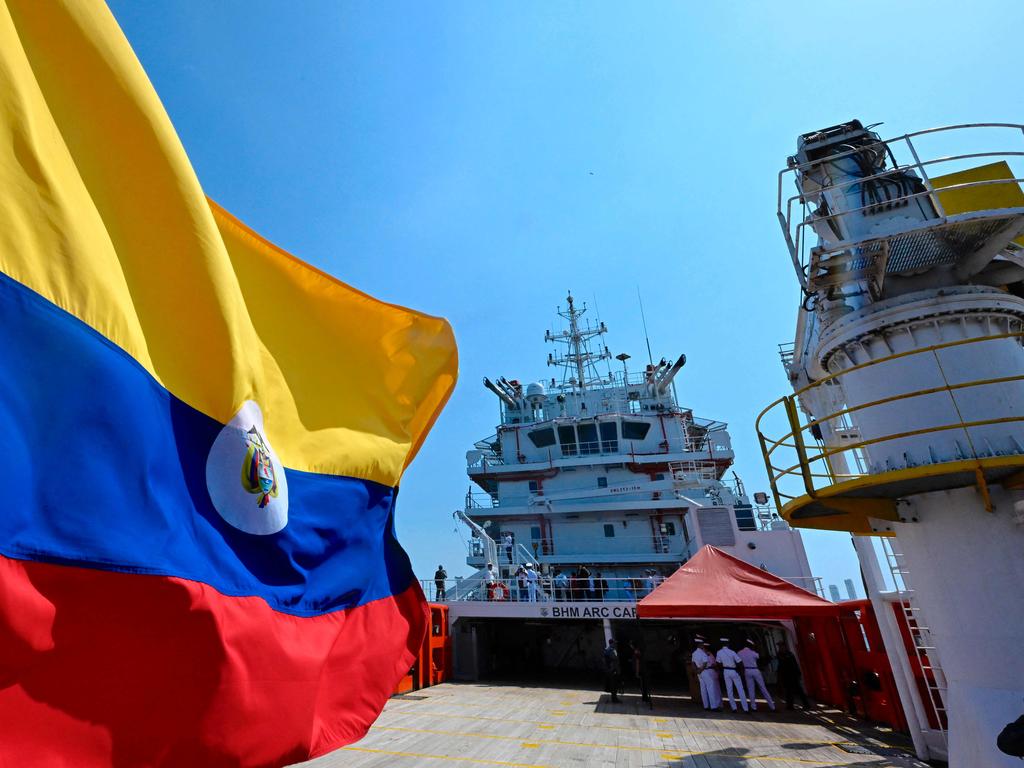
519 727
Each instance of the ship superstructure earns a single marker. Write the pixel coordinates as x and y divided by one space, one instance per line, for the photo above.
601 467
906 418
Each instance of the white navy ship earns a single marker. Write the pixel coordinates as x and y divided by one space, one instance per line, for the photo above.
596 486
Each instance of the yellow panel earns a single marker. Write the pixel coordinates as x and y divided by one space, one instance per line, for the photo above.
101 213
984 198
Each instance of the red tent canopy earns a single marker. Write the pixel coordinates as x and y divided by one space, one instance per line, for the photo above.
714 585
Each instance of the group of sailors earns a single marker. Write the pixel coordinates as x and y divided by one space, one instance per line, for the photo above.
734 668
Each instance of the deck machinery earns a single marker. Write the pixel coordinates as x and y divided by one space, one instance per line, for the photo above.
907 418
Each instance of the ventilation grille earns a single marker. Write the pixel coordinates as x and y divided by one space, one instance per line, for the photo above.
716 527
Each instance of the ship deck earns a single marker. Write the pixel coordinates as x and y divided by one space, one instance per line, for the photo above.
547 727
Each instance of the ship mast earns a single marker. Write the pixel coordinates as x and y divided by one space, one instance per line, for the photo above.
578 361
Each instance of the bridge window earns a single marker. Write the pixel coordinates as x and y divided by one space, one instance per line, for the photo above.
542 438
609 436
588 438
609 530
635 430
567 437
602 482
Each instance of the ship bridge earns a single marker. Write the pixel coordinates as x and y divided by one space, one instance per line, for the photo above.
603 468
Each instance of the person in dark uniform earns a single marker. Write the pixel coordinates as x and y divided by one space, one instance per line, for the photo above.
640 673
440 575
790 678
612 670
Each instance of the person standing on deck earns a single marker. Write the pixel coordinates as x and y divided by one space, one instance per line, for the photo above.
753 676
491 581
712 677
520 578
601 586
640 673
591 591
701 660
612 670
658 578
628 590
507 543
731 662
649 582
561 586
440 576
790 678
532 585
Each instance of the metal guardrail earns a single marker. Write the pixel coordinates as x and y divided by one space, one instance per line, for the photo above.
549 589
796 218
810 466
709 445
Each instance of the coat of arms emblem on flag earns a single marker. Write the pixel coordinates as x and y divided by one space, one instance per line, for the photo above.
258 474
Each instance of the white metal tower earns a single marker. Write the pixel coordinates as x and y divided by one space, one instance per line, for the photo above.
907 418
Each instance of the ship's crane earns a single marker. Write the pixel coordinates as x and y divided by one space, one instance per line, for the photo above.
907 419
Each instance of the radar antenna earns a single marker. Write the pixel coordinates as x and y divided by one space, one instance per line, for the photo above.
579 363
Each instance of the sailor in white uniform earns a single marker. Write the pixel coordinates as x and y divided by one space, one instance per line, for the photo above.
753 675
532 583
700 661
709 678
730 662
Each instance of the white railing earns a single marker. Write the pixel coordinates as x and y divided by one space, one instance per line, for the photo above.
797 219
589 549
554 589
480 500
547 589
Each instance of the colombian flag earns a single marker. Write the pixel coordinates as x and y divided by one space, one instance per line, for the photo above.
201 439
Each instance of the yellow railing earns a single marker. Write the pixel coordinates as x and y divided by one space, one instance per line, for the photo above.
808 473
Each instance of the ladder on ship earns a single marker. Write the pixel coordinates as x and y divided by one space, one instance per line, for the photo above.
925 651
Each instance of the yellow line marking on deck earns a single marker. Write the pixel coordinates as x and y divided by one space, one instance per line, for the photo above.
562 743
634 729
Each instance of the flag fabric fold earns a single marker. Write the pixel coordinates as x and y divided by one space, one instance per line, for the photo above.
202 442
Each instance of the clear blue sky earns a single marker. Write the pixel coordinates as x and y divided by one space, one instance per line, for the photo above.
476 160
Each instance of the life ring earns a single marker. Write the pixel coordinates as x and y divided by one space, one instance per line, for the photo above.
500 591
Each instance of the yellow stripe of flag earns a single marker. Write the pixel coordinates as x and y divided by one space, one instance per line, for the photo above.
103 215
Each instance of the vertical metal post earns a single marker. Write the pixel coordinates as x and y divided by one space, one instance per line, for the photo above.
924 177
798 442
769 470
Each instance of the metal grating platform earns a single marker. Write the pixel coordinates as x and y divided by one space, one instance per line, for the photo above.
925 248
